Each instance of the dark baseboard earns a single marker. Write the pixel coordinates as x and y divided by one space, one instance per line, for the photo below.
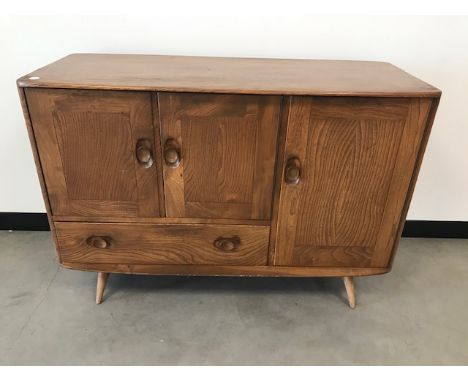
19 221
440 229
24 221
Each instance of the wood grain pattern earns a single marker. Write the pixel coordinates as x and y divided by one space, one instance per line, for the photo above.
226 270
339 212
227 145
403 172
158 153
87 142
37 162
164 220
278 180
161 244
229 75
409 194
116 204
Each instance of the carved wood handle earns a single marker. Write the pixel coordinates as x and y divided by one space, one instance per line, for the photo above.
101 242
171 153
227 244
144 153
292 172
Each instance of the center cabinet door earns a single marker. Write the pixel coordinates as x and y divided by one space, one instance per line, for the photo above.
347 167
219 154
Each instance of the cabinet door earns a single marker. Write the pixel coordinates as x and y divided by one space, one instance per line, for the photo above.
347 168
97 151
219 154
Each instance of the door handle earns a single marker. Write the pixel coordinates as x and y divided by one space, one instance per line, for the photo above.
292 171
144 153
227 244
100 242
171 153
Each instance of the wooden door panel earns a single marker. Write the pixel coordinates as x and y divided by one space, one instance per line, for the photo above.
356 158
346 179
227 146
88 143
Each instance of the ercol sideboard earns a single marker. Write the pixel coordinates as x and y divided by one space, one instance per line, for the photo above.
226 166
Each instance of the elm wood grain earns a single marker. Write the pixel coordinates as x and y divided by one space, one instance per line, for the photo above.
158 152
420 155
351 163
110 219
278 179
135 243
349 285
101 286
227 146
332 256
352 182
87 143
229 75
225 270
405 167
37 162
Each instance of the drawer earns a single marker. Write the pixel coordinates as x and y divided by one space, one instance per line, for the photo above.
136 243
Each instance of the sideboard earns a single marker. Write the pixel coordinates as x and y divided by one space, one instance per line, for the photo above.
226 166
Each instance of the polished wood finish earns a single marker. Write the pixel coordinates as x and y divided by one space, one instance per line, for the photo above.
112 243
101 286
349 286
420 155
37 162
165 220
357 157
89 143
235 167
226 270
219 154
228 75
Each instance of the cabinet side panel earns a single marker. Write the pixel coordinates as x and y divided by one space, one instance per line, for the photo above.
37 161
422 149
405 169
41 105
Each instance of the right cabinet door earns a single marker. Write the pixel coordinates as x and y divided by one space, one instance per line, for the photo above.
347 167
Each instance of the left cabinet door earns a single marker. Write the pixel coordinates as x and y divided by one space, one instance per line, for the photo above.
97 151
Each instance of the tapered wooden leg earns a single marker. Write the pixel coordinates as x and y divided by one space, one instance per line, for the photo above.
349 285
101 285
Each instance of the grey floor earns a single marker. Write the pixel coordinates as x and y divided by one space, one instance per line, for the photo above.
417 314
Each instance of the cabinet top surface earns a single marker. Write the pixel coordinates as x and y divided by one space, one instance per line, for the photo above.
228 75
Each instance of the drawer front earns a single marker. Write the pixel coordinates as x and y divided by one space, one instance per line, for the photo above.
162 244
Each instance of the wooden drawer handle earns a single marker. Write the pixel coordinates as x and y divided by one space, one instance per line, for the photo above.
144 154
292 172
227 244
100 242
171 153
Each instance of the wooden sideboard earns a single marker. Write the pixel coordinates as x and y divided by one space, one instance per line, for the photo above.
226 166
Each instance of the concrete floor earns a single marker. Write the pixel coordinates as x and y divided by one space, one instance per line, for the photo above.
417 314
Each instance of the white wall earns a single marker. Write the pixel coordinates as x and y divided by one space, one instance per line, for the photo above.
432 48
